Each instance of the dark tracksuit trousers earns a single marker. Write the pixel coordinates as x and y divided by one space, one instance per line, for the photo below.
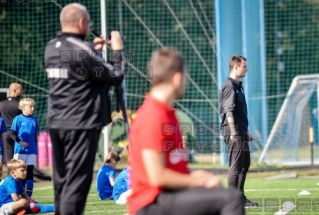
73 159
239 161
197 201
10 144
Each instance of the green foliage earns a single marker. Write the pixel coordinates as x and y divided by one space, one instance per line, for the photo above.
291 26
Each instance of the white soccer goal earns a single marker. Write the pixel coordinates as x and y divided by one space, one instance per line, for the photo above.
288 142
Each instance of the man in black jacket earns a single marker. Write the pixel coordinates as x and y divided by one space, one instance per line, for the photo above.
9 108
234 126
78 105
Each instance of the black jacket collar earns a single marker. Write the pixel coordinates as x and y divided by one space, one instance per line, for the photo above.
238 83
67 34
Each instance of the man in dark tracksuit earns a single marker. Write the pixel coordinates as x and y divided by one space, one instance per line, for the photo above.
9 108
234 126
78 104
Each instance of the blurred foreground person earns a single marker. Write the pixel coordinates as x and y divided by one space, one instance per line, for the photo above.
161 181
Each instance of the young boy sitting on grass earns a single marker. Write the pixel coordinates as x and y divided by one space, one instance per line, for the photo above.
121 188
106 177
13 199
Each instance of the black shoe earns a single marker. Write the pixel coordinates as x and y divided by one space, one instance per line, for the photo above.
249 203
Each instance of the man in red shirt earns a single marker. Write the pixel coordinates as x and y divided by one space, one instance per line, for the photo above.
161 182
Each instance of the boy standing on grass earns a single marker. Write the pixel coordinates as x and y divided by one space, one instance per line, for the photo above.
13 199
105 178
161 181
3 145
24 132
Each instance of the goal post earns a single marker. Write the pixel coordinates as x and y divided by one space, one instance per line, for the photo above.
4 93
288 141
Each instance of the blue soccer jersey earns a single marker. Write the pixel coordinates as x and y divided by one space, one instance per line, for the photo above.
26 128
103 186
9 186
3 129
121 184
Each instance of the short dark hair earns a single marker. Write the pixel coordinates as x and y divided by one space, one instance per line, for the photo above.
235 60
112 156
164 63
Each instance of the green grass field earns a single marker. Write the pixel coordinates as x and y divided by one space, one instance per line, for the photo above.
270 194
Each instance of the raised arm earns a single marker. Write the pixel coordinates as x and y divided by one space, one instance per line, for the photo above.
90 64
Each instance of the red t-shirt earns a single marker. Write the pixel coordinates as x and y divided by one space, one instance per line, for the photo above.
155 127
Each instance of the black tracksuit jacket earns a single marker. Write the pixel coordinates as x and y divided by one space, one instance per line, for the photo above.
79 83
232 103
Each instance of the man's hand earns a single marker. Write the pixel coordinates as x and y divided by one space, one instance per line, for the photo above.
116 42
201 175
24 144
214 181
233 138
206 179
232 128
250 137
99 42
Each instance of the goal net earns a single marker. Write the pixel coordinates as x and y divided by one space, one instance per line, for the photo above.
288 142
27 26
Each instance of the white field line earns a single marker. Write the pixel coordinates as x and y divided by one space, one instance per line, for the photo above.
51 196
106 211
288 189
43 188
281 212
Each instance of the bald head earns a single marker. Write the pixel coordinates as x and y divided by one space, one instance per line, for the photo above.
72 13
15 90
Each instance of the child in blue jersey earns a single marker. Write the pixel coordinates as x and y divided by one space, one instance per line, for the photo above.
3 145
12 195
0 171
121 189
106 177
25 132
13 198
